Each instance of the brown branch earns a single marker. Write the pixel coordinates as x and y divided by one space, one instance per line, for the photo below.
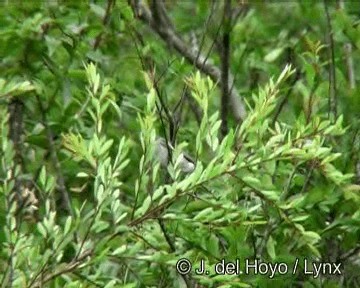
168 34
110 4
239 11
310 171
225 67
178 111
199 48
148 65
159 13
65 198
16 107
350 253
69 267
332 76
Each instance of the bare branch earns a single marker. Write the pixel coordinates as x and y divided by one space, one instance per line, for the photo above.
16 107
199 48
286 98
225 67
168 34
105 21
350 253
63 269
332 76
65 198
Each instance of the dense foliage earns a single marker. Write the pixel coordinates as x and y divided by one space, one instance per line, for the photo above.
263 96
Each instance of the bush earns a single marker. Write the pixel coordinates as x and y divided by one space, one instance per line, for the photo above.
85 94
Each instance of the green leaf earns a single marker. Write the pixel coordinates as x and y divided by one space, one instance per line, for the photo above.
67 225
270 247
311 237
13 88
120 250
41 229
273 55
144 207
42 177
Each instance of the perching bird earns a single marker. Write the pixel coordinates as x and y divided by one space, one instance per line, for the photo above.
186 164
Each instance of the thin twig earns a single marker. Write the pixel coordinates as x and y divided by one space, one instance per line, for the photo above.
286 98
63 270
212 9
312 165
350 253
174 40
105 21
16 107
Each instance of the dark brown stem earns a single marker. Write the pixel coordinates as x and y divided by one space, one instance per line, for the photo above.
332 76
225 67
65 198
69 267
350 253
205 31
16 110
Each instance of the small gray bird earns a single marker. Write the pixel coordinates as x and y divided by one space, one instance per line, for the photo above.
187 165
